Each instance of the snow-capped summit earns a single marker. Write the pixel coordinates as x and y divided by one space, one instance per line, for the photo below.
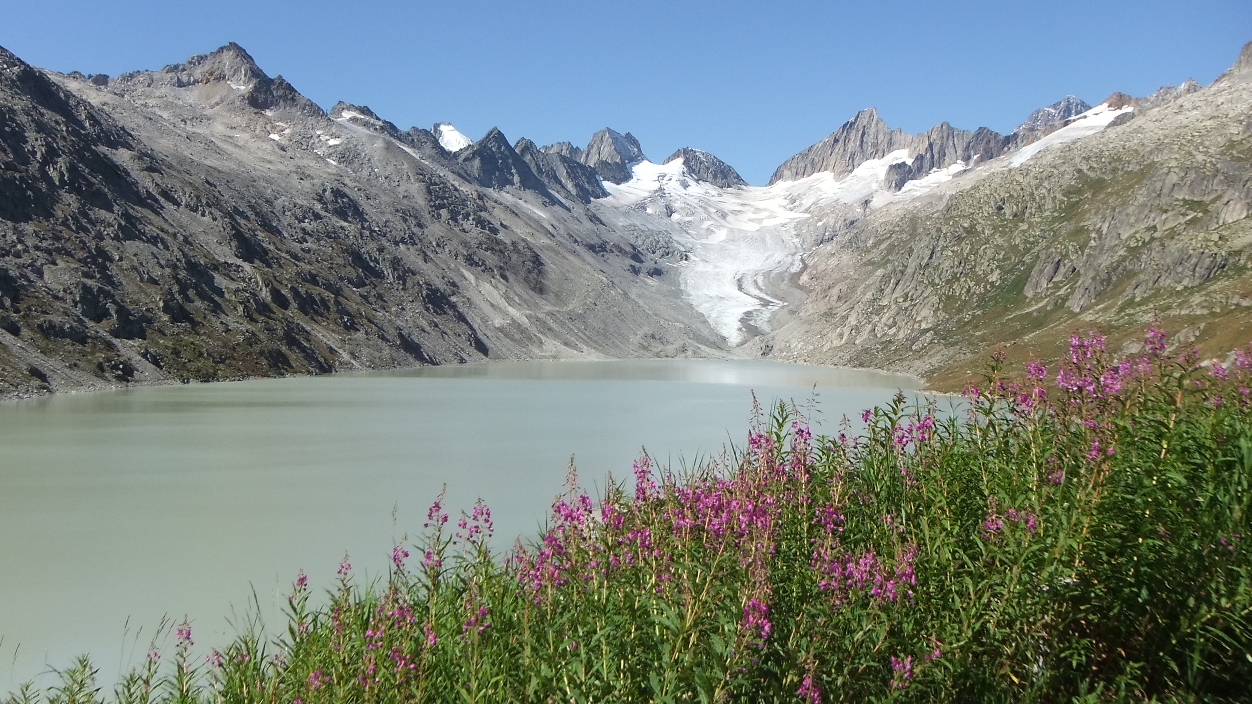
449 138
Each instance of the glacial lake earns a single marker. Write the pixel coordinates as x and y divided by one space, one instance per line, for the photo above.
118 508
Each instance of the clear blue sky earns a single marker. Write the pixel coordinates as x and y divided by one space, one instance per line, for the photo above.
752 82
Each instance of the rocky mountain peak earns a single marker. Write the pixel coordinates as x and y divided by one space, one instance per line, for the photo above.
1241 69
703 166
860 139
564 149
493 163
1053 115
347 111
612 153
231 64
562 174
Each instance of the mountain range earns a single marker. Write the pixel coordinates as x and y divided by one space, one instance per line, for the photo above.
205 221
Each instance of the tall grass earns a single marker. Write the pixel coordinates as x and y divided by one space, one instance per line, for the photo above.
1083 543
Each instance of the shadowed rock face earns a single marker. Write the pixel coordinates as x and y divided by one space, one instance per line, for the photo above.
205 221
562 174
493 163
708 168
612 154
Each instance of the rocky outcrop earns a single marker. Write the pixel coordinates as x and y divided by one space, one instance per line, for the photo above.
493 163
703 166
612 154
1051 116
867 137
564 149
562 174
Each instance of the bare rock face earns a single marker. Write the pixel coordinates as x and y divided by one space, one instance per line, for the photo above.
493 163
705 167
867 137
1053 115
562 174
564 149
612 154
863 137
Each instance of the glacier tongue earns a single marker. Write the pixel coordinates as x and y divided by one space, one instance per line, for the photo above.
741 242
736 240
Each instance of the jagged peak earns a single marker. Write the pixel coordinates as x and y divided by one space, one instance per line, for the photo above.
1242 64
612 153
1054 114
495 139
347 111
230 63
1118 100
703 166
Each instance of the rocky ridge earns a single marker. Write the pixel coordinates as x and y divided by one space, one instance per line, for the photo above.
1144 221
708 168
205 222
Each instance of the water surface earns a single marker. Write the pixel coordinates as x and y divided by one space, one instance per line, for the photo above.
117 508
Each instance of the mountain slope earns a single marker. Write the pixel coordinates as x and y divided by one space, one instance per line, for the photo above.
207 222
1145 220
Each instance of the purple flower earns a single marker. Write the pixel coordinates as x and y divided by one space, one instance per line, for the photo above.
756 620
902 670
810 692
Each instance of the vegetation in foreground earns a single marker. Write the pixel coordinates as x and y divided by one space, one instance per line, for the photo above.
1084 543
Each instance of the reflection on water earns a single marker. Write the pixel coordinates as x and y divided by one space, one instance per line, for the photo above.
129 505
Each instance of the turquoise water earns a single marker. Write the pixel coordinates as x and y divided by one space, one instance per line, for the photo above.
119 508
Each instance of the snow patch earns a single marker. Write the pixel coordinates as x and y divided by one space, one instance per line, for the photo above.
1079 126
451 139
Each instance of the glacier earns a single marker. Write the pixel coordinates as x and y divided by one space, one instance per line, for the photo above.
741 242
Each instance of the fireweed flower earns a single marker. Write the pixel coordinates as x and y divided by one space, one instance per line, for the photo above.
902 671
398 555
809 692
756 621
344 567
183 634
